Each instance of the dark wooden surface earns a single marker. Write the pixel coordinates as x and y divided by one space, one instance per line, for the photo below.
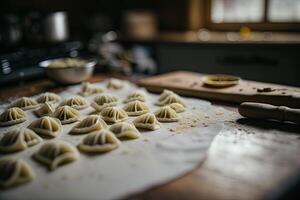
248 163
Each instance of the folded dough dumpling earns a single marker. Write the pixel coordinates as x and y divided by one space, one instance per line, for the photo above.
147 121
66 114
12 116
115 84
164 95
46 126
89 124
125 130
137 95
135 108
14 172
99 142
46 109
54 154
166 114
76 102
18 140
172 99
48 97
168 97
87 89
177 107
103 101
25 103
113 114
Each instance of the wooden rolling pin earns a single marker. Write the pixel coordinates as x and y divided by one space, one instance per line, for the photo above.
268 111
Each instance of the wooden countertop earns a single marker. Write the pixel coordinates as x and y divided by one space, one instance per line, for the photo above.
246 164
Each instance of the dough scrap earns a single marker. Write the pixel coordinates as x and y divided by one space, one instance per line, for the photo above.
220 80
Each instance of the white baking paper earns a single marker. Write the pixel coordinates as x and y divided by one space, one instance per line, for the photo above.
155 158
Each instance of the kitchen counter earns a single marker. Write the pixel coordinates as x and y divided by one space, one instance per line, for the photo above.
246 164
204 36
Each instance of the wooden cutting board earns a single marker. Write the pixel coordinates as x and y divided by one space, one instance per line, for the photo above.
190 84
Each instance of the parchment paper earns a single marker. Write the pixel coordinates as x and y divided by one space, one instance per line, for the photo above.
155 158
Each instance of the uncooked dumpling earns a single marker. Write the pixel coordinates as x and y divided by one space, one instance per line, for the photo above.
46 126
76 102
115 84
169 97
18 140
99 142
87 89
24 103
166 114
89 124
125 130
164 95
12 116
103 101
66 114
46 109
147 121
14 172
53 154
113 114
177 107
135 108
48 97
137 95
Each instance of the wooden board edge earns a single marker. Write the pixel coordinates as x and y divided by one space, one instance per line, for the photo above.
275 100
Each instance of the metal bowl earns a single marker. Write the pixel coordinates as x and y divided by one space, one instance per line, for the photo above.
69 75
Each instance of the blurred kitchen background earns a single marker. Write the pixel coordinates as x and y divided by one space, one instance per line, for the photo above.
257 39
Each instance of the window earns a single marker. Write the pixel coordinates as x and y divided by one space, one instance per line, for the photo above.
237 11
284 11
257 14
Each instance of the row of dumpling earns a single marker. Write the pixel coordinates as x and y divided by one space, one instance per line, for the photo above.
51 126
87 89
45 101
100 139
103 103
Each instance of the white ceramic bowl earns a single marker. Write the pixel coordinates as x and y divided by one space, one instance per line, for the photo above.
68 75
